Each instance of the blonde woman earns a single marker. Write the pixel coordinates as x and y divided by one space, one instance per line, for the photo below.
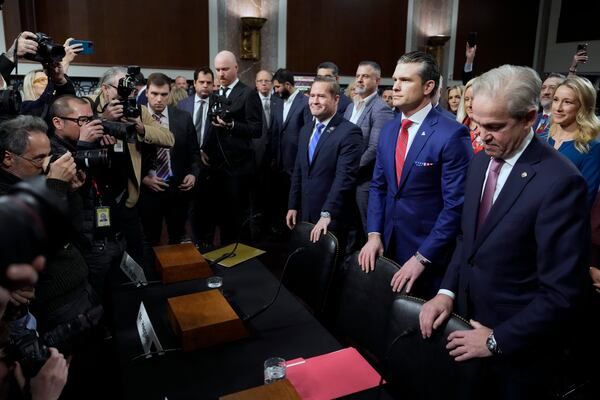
575 129
464 114
176 95
34 84
40 88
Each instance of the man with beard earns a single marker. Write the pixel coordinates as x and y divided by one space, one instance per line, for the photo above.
289 116
542 124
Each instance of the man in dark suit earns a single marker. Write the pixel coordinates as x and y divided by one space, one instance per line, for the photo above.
328 69
326 165
370 113
170 174
520 266
290 114
203 219
228 148
417 189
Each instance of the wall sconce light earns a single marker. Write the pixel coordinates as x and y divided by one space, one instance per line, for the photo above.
251 37
435 45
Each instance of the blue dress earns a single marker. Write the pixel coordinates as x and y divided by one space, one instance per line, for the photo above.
587 163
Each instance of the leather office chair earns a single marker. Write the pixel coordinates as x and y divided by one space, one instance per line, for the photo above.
366 301
422 368
310 273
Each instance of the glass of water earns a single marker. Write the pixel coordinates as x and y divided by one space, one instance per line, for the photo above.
274 369
214 282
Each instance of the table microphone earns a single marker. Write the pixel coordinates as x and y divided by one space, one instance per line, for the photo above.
265 307
232 252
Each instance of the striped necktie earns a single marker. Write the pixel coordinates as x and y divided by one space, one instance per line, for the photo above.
163 157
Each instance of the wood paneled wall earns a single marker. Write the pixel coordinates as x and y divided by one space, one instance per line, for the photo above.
345 32
507 31
150 33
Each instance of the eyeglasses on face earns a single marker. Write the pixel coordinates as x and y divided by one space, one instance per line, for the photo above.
84 119
36 162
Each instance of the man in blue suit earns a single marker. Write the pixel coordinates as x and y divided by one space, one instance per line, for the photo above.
416 194
519 270
325 172
370 113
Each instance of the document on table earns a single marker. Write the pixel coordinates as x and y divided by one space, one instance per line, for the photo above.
242 253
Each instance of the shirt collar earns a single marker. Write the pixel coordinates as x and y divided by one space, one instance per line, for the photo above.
263 98
232 85
326 122
290 99
368 98
198 98
162 114
419 116
512 160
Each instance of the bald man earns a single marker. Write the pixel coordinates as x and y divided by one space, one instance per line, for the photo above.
228 147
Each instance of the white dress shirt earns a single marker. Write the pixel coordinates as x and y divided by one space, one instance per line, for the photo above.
287 104
359 107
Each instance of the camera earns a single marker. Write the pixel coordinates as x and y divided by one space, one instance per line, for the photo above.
121 130
10 104
33 221
31 350
86 159
48 50
220 108
125 88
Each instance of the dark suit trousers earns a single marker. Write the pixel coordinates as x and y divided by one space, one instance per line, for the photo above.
172 205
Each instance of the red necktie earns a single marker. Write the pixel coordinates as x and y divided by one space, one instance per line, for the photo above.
401 146
488 192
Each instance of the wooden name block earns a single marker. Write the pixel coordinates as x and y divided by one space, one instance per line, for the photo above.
204 319
180 262
280 390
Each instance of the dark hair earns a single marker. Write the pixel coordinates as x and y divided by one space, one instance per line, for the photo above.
158 79
204 70
15 132
329 65
334 87
429 67
371 64
62 105
555 75
283 76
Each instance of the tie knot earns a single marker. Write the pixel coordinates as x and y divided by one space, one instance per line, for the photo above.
496 164
157 117
320 127
406 123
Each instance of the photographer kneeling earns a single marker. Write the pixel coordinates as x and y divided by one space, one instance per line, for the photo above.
116 102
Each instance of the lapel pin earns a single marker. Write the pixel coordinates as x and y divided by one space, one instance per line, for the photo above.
422 133
523 174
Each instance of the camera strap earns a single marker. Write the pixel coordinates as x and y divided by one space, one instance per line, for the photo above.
15 58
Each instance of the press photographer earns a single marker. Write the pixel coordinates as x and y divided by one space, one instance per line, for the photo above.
228 146
75 129
116 102
41 87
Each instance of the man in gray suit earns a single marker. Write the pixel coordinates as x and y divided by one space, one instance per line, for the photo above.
370 113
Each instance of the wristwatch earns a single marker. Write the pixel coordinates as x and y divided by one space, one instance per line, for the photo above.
325 214
492 345
421 258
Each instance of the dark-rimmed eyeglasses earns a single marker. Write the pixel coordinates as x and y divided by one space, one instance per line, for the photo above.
36 162
81 121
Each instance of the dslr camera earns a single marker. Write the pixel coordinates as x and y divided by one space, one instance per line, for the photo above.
88 159
48 50
219 107
33 221
121 130
31 350
125 89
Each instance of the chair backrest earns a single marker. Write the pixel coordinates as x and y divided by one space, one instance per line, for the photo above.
366 301
310 272
422 368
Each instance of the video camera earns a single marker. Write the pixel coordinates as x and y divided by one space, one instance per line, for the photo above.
219 107
31 350
125 88
32 223
48 50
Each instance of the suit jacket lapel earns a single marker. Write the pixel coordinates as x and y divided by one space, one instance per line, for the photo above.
327 132
293 109
366 111
473 198
425 131
519 177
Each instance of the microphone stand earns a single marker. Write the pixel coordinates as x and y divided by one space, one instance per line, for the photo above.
232 252
265 307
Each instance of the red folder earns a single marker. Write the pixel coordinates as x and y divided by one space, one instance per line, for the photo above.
331 375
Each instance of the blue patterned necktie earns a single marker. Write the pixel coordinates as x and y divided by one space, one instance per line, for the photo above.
312 146
163 157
